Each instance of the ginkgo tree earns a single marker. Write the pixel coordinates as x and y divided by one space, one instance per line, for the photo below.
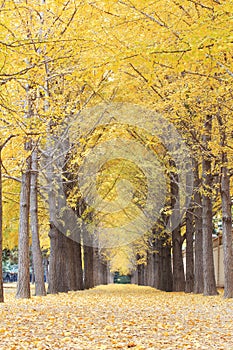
170 56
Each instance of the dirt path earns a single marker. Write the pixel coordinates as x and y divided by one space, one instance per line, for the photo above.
117 317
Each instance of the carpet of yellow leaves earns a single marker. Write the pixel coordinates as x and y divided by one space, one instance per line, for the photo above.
116 317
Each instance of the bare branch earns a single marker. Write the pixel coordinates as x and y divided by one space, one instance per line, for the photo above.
11 177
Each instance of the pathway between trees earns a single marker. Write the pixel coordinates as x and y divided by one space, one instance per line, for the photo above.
116 317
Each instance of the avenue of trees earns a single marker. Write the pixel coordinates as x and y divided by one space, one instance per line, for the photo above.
60 59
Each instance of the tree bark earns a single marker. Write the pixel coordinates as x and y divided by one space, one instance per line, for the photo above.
208 259
157 270
198 261
227 230
178 265
162 264
53 274
141 275
88 267
96 280
88 258
189 284
100 273
46 268
165 277
78 264
150 269
177 239
226 212
23 284
36 251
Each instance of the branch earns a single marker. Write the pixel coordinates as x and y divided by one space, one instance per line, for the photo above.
225 68
11 177
146 80
6 141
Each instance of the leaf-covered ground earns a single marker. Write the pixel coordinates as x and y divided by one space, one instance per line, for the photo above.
117 317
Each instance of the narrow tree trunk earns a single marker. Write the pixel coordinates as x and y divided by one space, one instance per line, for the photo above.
96 267
156 262
103 273
157 272
198 261
178 265
150 269
208 259
168 268
36 251
162 264
189 285
46 268
78 265
226 212
88 260
141 275
227 231
100 270
53 275
146 272
134 277
166 276
32 274
88 267
53 233
23 284
177 239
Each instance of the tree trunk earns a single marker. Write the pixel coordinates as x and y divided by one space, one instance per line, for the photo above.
78 265
157 272
227 230
63 283
32 274
162 265
150 268
57 260
226 213
189 285
146 272
64 275
208 259
141 275
177 239
96 267
166 276
88 267
88 251
100 272
53 275
46 268
36 251
103 272
198 261
156 262
23 284
134 277
178 265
